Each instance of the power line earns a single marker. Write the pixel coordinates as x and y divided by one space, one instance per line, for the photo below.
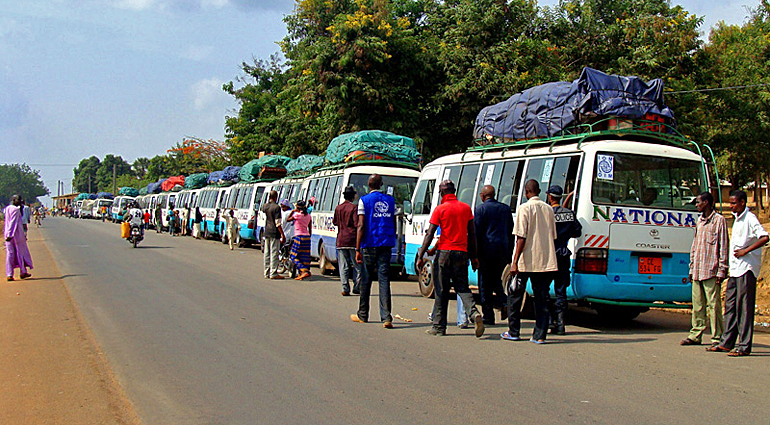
718 89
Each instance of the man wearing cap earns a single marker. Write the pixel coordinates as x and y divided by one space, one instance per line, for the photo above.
288 226
346 220
567 227
494 235
534 259
456 245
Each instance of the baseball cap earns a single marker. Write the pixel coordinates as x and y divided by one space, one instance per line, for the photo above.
555 191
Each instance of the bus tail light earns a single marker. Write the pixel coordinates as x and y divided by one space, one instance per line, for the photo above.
252 223
591 261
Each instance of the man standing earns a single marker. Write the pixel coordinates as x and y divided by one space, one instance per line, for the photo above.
494 233
534 258
17 253
708 267
567 227
456 245
346 220
233 228
740 295
375 240
158 219
273 236
25 215
288 226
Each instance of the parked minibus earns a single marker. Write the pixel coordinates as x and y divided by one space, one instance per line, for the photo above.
120 206
632 191
211 200
288 188
326 185
244 199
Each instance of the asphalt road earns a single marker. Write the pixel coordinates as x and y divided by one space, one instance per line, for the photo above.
195 335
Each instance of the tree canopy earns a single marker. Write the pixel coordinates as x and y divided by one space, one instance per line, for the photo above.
20 179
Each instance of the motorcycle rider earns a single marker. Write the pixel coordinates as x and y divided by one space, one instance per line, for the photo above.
135 217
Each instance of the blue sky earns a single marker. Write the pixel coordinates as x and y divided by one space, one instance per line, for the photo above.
133 77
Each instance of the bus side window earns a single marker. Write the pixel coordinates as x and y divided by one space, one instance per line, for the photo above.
423 197
490 175
535 171
565 175
258 198
466 188
333 195
510 182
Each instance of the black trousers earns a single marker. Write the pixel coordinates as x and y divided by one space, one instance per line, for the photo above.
541 283
491 285
740 297
561 282
452 270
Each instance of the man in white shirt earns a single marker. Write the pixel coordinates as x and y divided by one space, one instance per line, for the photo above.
746 243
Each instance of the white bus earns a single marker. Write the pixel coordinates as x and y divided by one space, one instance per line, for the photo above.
245 199
288 188
326 185
211 200
631 191
119 206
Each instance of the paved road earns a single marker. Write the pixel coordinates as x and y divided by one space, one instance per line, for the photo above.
196 336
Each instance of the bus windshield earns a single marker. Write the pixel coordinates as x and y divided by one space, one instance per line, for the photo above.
643 180
400 187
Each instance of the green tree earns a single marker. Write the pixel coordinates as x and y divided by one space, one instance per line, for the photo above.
139 167
104 173
20 179
85 175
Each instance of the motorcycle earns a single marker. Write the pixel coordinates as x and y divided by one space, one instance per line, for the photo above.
136 236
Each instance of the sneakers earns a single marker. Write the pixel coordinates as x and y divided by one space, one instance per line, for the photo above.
435 332
387 324
479 321
537 341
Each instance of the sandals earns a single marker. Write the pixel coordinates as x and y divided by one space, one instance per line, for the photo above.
718 349
9 279
738 353
25 275
688 341
507 336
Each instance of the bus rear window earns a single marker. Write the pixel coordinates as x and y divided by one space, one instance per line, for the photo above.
647 181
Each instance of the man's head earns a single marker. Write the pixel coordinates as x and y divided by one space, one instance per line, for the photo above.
531 188
349 193
738 201
487 192
273 196
232 213
375 182
704 202
649 195
446 187
16 200
555 193
285 205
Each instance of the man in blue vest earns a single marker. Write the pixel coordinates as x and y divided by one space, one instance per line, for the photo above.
375 240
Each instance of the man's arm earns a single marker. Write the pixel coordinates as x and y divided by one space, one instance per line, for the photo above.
517 253
425 244
724 258
359 238
472 253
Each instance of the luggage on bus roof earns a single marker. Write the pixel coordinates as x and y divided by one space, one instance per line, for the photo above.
549 109
372 144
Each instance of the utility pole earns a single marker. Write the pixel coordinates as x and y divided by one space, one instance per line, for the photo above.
89 183
114 175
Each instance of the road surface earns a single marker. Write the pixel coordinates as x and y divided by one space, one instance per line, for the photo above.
195 335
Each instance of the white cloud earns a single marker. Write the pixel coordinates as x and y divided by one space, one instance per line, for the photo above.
207 92
197 52
214 4
135 4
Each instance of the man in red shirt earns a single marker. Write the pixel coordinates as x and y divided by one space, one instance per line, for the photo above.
456 245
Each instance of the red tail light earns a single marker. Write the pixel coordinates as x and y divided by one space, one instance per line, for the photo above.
591 261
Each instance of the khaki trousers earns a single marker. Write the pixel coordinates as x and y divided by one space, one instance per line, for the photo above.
707 301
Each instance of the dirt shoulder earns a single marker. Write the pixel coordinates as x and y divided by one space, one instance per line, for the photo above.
51 369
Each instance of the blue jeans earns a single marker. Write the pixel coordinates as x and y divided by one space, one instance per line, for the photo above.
376 262
349 269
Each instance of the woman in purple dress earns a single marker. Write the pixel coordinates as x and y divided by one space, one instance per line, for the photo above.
17 253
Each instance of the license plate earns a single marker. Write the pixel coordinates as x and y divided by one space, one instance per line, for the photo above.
650 265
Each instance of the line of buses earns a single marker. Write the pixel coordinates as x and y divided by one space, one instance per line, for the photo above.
632 190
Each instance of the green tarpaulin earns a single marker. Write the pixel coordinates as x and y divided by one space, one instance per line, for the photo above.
304 164
372 144
195 181
251 171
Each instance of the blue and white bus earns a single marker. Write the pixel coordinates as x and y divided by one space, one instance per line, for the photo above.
119 207
326 185
244 199
632 192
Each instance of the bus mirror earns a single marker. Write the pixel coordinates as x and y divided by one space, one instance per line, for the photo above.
407 207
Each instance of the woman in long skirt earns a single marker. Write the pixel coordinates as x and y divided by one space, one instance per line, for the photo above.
300 249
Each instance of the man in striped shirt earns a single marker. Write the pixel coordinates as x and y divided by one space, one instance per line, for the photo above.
708 268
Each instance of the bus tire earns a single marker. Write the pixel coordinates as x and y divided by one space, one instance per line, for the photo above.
323 263
262 241
425 279
615 314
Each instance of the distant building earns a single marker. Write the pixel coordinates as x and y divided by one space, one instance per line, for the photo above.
64 200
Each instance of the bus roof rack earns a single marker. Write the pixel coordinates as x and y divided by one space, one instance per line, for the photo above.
610 127
372 162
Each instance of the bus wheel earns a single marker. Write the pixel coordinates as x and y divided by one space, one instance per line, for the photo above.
323 263
616 314
262 241
425 279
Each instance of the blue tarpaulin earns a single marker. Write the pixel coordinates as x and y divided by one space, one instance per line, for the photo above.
231 173
215 177
549 109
